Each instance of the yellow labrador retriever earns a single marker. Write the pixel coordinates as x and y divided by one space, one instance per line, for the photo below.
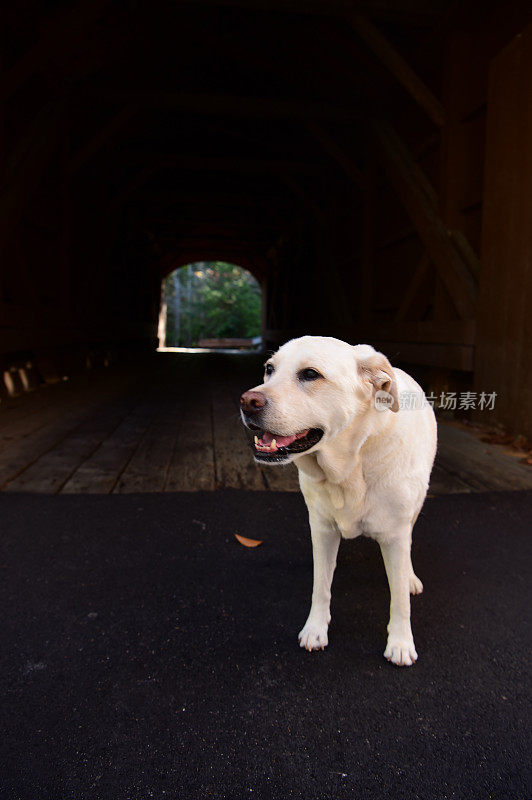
363 438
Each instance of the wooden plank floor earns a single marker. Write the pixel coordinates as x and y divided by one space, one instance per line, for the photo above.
172 424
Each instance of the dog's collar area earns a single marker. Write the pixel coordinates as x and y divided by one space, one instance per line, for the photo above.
271 447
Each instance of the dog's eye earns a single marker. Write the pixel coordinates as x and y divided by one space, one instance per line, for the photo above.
269 369
309 375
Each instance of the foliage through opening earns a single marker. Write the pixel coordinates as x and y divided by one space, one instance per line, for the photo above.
209 300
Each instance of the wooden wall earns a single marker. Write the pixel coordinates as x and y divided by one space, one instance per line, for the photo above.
479 167
504 341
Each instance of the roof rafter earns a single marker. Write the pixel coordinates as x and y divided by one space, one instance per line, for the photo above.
232 105
222 163
397 65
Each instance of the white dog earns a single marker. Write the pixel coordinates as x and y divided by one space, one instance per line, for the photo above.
364 460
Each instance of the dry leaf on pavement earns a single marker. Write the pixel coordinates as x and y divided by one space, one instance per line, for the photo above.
248 542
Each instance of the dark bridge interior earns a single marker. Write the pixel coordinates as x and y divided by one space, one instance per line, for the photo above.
351 155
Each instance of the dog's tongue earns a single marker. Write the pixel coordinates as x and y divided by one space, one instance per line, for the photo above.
282 441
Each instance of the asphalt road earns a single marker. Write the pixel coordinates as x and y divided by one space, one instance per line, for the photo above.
147 654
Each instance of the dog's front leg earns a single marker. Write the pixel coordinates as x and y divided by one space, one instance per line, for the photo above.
325 542
400 647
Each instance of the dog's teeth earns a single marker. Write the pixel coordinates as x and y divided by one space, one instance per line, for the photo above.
273 444
256 439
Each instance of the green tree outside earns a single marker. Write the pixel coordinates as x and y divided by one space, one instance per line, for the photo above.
210 300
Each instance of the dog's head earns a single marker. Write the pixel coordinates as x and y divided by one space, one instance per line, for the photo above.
314 387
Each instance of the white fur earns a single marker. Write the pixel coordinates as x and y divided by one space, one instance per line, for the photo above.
368 475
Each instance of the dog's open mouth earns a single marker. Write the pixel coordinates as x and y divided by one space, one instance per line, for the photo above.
274 447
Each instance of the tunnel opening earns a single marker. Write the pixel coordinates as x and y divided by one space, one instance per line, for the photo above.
210 305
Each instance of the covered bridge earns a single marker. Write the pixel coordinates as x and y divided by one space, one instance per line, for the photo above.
367 161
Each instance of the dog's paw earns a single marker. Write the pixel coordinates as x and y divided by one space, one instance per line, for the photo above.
416 587
314 636
400 651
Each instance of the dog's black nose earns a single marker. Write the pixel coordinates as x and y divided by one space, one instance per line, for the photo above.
252 402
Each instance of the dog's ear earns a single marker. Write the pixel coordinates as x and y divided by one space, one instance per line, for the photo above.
377 370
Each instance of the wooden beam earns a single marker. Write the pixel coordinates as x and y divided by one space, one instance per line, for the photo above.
469 256
227 242
389 56
413 287
115 124
409 183
221 163
403 154
231 105
214 198
61 35
205 226
453 331
447 346
336 152
398 235
446 356
178 258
